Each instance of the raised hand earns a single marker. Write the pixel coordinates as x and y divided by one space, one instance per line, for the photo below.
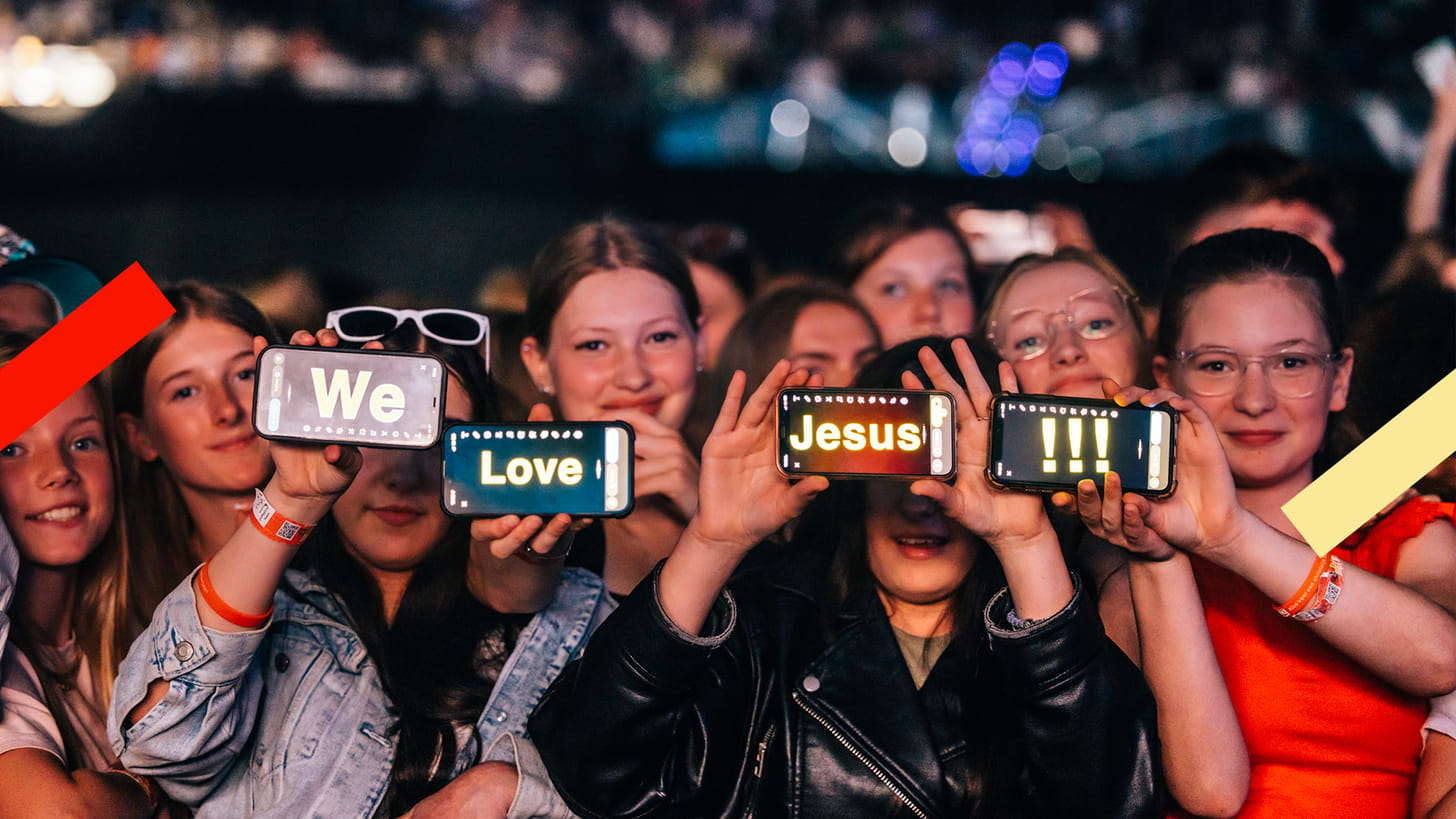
1203 513
744 496
1003 519
308 475
664 465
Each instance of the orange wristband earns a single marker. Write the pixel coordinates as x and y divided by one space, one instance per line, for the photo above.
1306 592
271 523
1331 582
223 610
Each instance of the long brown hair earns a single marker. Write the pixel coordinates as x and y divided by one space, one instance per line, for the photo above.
158 520
105 615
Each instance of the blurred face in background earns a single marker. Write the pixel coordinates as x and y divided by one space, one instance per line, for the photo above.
1291 216
918 287
722 304
833 341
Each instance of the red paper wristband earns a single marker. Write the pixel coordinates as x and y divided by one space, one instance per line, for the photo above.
223 610
271 522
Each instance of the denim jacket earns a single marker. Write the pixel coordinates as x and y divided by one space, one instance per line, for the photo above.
291 720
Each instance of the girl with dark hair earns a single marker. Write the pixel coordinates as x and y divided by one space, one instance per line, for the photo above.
1251 330
911 269
184 404
923 650
403 653
73 617
612 334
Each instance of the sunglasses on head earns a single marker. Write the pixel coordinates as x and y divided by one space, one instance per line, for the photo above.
443 324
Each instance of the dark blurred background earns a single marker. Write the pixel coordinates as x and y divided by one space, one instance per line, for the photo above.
423 143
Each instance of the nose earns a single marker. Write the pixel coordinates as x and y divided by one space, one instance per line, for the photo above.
409 470
226 408
926 306
53 468
1066 344
917 507
632 372
1254 395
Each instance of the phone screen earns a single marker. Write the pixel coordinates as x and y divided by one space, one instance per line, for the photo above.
580 469
1048 442
369 398
866 433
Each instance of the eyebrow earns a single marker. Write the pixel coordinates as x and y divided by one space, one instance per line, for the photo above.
191 370
676 317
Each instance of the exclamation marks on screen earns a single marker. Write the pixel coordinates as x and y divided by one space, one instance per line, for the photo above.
1074 434
1049 441
1099 428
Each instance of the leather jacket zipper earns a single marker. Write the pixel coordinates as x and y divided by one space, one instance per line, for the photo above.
860 755
758 772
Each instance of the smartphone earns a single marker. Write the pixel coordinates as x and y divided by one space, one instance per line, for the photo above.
1436 63
998 236
1049 443
326 395
582 469
846 433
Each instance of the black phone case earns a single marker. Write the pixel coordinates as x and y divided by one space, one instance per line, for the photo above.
950 454
993 447
547 425
262 384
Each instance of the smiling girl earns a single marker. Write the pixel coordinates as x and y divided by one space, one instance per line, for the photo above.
71 614
184 402
377 675
612 323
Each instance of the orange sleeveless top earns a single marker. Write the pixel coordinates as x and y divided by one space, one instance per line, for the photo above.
1326 739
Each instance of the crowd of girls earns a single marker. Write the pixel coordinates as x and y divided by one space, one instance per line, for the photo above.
197 621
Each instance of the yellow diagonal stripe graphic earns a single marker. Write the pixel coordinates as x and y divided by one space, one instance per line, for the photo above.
1385 465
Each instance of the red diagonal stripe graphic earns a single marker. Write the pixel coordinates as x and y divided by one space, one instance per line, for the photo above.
80 346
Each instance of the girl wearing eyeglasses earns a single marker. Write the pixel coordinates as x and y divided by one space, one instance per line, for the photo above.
612 324
1328 660
1068 323
184 403
397 664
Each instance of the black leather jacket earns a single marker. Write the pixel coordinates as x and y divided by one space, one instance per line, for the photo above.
768 718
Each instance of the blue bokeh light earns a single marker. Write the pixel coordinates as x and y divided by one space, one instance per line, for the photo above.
1002 128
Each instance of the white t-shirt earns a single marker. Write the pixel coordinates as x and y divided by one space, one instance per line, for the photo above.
1442 717
26 722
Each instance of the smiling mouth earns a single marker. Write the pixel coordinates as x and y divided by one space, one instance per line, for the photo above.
60 514
921 545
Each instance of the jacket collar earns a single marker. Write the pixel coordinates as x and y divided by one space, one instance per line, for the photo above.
885 721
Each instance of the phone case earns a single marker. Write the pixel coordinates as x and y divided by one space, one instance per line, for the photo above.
529 497
941 443
993 450
270 390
